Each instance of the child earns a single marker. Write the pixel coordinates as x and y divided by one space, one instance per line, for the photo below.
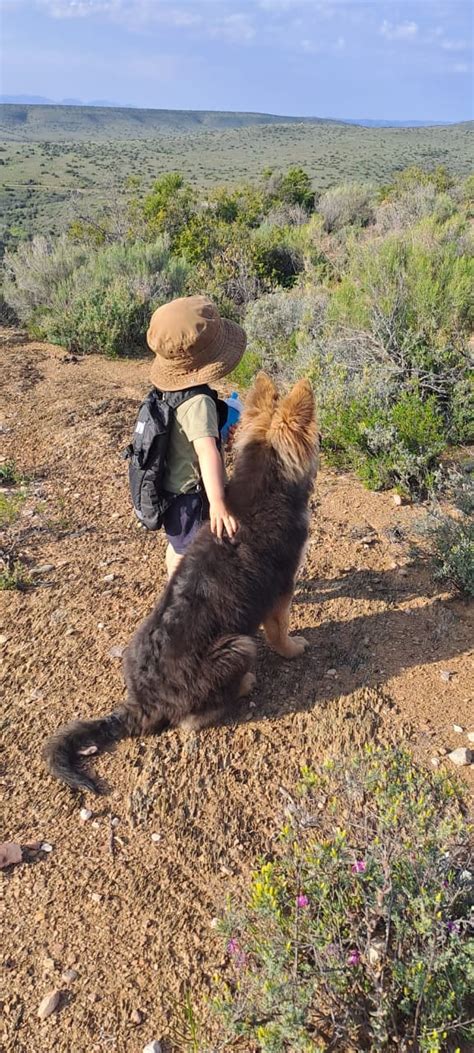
194 346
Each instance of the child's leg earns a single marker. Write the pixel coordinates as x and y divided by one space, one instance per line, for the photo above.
173 559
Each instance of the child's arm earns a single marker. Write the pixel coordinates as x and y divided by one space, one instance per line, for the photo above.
212 474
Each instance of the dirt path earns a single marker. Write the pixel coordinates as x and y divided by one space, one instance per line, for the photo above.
130 914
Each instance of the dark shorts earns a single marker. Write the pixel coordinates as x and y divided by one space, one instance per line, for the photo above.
183 519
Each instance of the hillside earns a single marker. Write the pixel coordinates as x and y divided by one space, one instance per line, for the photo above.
46 184
131 914
36 123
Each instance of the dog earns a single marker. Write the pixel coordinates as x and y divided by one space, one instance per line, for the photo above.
194 656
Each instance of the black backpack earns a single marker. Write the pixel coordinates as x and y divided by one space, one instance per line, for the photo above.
148 450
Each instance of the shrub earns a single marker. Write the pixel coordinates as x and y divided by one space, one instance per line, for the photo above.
278 326
276 256
105 306
291 188
356 934
452 534
351 203
393 445
35 269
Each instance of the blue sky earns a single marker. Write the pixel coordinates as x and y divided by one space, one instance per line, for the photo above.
334 58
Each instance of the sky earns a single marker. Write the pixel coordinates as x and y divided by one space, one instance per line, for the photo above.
403 59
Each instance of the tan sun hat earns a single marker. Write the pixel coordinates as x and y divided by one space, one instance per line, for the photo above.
192 343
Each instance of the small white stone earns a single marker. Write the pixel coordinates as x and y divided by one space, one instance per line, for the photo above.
49 1004
46 847
214 922
3 640
458 729
100 625
136 1016
446 675
85 814
153 1047
108 579
331 672
96 825
116 652
435 762
156 838
69 975
96 897
397 500
115 821
460 756
87 751
470 736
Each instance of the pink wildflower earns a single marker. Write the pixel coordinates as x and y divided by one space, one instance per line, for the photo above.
359 867
354 958
302 901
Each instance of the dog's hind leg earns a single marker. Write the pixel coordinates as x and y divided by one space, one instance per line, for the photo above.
225 675
276 631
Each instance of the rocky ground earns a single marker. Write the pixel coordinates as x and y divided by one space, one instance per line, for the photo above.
118 915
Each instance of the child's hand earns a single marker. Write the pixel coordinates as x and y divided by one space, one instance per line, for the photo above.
221 519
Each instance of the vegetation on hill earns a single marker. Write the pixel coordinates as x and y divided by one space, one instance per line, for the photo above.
50 172
367 291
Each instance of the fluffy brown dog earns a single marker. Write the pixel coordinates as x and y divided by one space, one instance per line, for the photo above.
194 655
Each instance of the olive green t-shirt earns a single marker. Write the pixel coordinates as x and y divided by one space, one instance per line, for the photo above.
194 419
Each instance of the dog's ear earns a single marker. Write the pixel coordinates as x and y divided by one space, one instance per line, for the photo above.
293 432
262 397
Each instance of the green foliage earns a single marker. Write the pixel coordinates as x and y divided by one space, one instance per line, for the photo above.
395 445
168 207
292 187
105 306
276 256
14 577
10 505
349 204
451 533
356 934
10 475
33 272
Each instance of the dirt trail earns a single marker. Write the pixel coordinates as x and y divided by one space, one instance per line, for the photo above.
133 915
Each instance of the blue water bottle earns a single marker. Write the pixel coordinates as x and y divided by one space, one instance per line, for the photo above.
234 410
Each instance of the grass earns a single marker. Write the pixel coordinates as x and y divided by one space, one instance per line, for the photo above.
10 474
14 577
10 508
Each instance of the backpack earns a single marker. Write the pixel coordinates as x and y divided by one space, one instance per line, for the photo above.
147 452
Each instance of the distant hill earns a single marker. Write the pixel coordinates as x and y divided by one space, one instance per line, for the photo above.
33 119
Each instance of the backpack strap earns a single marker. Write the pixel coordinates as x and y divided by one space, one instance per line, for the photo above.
176 398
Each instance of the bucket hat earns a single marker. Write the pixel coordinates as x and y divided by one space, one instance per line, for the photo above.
192 343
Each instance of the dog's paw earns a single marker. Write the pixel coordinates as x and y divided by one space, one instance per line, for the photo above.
296 646
247 684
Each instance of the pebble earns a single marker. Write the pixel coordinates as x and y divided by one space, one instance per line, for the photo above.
100 625
435 762
46 847
42 568
470 736
69 975
3 640
461 756
397 500
136 1016
153 1047
115 821
96 897
10 854
446 675
331 672
49 1004
87 751
458 729
85 814
156 838
108 578
116 652
214 922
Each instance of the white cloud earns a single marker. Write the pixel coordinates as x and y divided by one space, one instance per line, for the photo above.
460 67
398 31
237 28
455 45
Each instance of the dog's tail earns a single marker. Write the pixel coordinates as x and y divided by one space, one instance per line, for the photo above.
65 751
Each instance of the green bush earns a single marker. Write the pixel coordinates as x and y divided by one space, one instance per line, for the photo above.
34 270
105 306
452 534
356 934
276 256
395 445
349 204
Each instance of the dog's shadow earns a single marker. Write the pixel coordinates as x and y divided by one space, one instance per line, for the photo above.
364 651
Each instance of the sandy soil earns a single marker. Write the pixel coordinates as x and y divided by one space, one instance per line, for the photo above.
130 914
